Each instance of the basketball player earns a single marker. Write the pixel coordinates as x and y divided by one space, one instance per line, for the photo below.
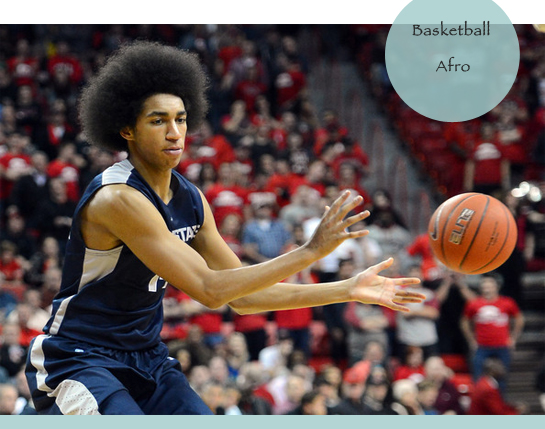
139 226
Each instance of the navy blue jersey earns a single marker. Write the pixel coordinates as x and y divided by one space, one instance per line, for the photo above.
110 298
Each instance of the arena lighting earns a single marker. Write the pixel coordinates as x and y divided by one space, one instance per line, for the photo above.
529 190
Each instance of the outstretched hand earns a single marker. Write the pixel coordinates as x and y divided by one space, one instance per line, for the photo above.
371 288
333 227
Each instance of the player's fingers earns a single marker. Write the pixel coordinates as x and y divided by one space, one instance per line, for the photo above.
348 207
337 204
382 265
406 281
355 219
406 299
356 234
397 307
409 294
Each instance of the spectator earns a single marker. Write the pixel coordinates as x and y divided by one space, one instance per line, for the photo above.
377 397
212 393
219 371
55 131
236 353
264 238
231 399
23 66
297 321
16 233
23 405
486 324
487 169
381 201
8 399
54 215
14 164
51 286
312 404
427 396
22 316
49 256
226 196
303 205
452 294
405 394
287 391
417 327
352 393
27 110
448 397
67 166
255 399
199 377
486 398
275 357
412 367
63 61
364 323
333 315
31 189
12 353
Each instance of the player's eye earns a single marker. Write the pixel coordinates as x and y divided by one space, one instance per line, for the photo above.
182 120
157 121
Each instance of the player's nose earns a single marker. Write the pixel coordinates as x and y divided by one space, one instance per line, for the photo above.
174 131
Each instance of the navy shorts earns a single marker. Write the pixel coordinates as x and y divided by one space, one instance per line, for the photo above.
71 377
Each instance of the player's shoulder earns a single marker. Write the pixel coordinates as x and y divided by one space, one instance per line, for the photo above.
115 199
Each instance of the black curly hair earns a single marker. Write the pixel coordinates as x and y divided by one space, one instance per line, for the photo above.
113 98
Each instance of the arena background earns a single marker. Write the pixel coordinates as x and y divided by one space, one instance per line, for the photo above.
314 95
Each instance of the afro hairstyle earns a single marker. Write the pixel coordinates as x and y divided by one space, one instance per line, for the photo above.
113 99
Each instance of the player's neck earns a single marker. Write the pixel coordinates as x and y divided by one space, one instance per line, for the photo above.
158 180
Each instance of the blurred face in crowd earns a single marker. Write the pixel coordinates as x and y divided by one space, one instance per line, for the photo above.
489 288
316 408
435 369
218 369
428 396
212 395
8 398
11 334
295 388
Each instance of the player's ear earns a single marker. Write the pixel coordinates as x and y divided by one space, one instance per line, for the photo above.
127 133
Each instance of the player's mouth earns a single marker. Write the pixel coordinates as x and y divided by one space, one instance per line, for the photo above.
174 151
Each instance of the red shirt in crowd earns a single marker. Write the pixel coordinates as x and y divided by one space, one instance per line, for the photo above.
10 161
486 399
224 200
491 320
70 175
421 247
488 157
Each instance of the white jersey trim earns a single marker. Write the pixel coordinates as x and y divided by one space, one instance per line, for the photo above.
117 173
37 359
73 398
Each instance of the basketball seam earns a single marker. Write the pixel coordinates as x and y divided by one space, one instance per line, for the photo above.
476 233
503 244
445 227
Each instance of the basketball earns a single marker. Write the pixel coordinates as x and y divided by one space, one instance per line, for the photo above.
472 233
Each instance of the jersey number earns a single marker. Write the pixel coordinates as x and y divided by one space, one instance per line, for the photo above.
156 283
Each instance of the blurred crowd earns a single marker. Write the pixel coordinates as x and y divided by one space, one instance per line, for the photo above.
268 163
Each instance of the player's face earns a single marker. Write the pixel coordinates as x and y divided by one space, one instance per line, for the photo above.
158 137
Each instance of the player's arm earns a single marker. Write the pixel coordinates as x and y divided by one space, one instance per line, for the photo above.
129 216
367 287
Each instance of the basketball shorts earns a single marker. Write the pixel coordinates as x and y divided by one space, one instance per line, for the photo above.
72 377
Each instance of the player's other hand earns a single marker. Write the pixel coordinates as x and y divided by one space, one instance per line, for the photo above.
333 227
371 288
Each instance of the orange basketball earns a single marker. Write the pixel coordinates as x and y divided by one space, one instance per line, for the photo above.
472 233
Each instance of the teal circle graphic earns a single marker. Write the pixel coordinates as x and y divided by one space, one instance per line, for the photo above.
452 61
